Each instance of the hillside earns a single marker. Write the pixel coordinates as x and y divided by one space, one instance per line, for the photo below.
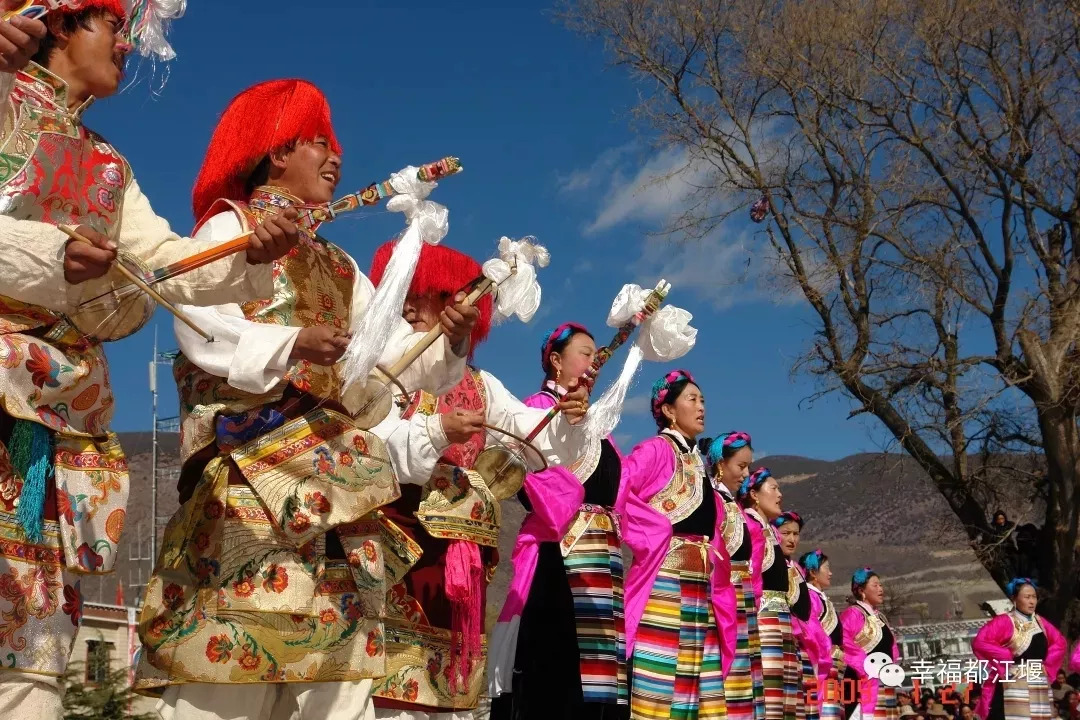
874 510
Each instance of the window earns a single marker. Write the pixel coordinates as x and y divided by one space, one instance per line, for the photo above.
98 655
912 650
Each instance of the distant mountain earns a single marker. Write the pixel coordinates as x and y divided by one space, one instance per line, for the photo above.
877 510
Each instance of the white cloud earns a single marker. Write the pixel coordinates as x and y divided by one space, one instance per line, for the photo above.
731 264
599 173
661 188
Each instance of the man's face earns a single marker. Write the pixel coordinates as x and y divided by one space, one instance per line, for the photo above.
96 55
422 312
310 171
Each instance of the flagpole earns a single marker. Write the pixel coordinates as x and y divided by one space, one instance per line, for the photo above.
154 453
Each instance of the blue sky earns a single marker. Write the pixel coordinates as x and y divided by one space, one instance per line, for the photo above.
543 127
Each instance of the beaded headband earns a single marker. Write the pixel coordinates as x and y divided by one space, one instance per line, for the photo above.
662 386
786 517
754 481
560 333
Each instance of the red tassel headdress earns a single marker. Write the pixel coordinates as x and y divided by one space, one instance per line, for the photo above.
116 7
441 269
264 118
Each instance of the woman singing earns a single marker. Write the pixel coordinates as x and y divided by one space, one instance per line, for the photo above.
782 670
728 458
866 632
1019 637
819 574
672 524
566 597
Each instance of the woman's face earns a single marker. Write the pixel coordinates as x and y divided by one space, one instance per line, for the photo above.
874 593
823 577
574 359
1026 600
736 468
789 538
767 499
688 411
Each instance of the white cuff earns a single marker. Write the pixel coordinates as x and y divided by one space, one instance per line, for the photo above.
436 434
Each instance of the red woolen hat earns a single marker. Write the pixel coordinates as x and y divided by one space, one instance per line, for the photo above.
116 7
264 118
441 269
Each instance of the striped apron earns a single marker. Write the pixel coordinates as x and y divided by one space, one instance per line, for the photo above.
780 664
677 671
594 569
744 685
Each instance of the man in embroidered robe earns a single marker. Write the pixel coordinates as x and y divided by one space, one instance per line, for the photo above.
63 476
444 529
268 592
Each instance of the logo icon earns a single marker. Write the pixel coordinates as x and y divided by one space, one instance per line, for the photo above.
879 666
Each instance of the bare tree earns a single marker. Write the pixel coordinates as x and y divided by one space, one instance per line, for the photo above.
919 160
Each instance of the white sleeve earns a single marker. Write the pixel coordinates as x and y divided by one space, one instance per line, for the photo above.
147 236
437 370
266 347
32 270
560 442
414 445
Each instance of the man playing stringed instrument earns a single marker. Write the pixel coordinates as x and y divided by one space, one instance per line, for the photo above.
268 591
63 476
441 551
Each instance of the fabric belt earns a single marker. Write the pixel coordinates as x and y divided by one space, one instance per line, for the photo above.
774 601
689 553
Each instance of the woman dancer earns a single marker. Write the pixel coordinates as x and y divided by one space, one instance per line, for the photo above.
819 574
567 590
811 639
781 669
671 523
865 632
1018 637
728 458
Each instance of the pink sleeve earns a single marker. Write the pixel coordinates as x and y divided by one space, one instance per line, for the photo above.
852 620
1074 664
991 644
1055 651
757 555
723 593
645 531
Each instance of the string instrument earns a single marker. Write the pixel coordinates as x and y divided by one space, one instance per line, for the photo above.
370 402
32 9
506 469
126 307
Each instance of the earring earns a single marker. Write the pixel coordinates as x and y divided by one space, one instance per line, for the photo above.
558 375
720 473
672 424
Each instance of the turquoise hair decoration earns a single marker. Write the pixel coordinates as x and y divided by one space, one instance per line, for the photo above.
733 440
860 578
786 517
813 560
1013 587
754 481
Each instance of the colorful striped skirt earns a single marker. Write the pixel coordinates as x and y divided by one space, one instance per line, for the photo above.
886 707
677 671
780 664
743 687
831 697
1026 699
594 568
808 688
